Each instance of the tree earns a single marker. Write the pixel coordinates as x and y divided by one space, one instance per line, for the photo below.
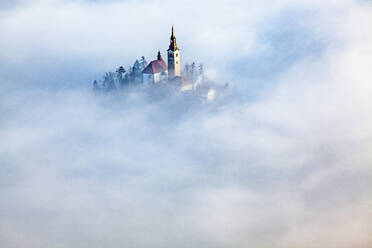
126 79
201 70
137 72
143 63
193 72
95 85
120 72
187 71
109 81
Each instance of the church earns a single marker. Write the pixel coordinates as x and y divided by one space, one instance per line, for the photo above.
157 70
161 73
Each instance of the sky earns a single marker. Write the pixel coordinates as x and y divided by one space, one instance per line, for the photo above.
281 159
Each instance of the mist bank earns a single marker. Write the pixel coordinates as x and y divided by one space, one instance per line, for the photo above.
289 168
281 160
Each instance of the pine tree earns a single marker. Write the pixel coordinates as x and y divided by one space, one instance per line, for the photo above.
193 72
126 79
130 74
187 71
95 85
120 72
109 81
137 72
143 63
201 70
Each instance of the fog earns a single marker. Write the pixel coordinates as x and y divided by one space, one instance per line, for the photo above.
283 159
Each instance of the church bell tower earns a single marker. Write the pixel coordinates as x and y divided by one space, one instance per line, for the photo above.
174 66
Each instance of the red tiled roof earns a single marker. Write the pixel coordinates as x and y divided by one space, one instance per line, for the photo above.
155 66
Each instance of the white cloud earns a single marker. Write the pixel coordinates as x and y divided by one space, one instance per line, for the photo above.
289 167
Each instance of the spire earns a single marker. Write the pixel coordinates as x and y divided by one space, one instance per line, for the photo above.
159 55
172 36
173 44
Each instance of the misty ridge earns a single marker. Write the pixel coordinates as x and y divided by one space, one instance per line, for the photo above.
126 81
163 79
122 77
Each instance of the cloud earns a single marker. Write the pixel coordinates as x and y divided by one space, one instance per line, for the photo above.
72 40
283 161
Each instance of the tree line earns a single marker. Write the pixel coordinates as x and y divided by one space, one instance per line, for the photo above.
122 77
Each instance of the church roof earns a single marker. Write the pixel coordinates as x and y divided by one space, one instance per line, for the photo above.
155 66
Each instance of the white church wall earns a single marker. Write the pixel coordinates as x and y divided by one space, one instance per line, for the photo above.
156 77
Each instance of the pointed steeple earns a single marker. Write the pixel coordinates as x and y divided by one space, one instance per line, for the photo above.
174 64
172 36
173 44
